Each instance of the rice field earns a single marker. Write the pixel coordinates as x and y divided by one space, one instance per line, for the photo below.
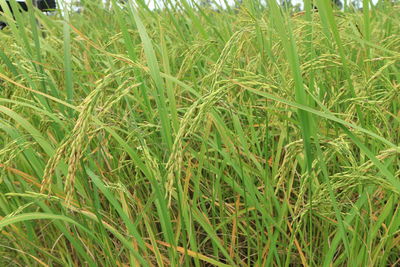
199 135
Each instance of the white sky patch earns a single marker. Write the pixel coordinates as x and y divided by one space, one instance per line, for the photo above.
153 3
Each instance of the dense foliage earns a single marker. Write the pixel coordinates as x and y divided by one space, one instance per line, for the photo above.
196 136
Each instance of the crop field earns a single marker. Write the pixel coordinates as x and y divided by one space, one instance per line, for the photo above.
200 135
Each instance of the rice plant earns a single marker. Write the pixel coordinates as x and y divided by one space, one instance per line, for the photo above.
194 134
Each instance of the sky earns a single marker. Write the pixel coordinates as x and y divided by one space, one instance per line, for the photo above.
151 3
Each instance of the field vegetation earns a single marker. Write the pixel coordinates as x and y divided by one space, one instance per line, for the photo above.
198 135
